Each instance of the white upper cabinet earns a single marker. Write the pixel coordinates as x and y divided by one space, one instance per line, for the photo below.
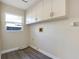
45 10
59 8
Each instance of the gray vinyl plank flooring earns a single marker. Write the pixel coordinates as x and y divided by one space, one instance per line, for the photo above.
28 53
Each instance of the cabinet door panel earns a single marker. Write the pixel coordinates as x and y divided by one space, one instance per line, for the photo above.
30 18
38 12
58 7
46 9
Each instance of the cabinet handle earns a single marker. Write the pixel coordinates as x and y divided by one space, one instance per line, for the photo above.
36 19
51 14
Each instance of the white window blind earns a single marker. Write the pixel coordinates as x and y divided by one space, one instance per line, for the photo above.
13 22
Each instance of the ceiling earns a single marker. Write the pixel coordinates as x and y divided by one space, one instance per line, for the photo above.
20 3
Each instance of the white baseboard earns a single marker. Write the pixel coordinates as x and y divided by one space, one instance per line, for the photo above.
44 52
10 50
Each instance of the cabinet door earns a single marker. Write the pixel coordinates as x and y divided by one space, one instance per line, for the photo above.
58 7
31 16
42 10
38 10
34 14
46 9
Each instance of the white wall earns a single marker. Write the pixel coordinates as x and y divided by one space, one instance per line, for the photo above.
0 32
13 40
60 38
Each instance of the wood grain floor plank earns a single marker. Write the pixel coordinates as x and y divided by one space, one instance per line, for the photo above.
28 53
4 56
23 55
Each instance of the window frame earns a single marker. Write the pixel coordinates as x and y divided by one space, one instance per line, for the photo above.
14 30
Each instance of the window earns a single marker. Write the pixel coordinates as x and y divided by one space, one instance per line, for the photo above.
13 22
